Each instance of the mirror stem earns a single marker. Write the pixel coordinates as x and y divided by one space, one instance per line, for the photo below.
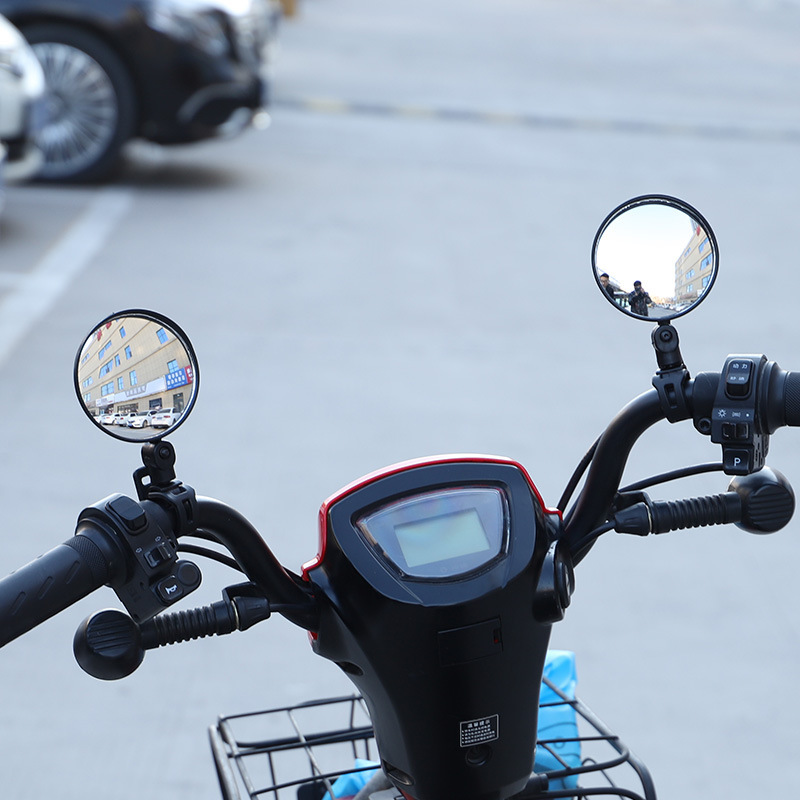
666 345
159 467
672 377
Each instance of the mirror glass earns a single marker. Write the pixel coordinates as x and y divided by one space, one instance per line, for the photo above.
136 376
655 258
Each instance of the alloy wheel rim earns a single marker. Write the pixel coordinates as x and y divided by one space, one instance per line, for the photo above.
83 109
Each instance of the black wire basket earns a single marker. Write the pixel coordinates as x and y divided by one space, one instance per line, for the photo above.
299 752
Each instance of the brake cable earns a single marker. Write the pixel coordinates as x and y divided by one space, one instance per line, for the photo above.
576 476
664 477
676 474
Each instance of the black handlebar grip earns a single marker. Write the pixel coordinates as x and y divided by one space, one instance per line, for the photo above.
696 512
49 584
791 398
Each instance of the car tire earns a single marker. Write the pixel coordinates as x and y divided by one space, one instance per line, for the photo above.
92 104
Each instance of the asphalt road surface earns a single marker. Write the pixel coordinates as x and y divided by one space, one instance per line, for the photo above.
398 267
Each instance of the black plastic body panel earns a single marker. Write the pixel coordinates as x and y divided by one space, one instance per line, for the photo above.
450 670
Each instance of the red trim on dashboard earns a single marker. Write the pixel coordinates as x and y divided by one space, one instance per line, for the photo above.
404 466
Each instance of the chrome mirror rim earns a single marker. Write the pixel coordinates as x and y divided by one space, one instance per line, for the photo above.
183 339
670 202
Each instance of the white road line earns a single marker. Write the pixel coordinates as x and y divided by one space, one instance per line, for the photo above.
37 291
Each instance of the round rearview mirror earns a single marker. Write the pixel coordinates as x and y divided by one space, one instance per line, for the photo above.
136 376
655 258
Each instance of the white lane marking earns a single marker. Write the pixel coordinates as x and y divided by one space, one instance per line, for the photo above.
35 292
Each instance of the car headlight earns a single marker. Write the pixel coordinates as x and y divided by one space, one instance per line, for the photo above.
190 22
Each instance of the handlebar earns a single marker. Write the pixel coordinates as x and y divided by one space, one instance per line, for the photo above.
792 399
56 580
99 554
605 472
781 396
250 551
776 400
103 552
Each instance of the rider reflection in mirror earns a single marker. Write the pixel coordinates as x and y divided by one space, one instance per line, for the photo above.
639 299
607 287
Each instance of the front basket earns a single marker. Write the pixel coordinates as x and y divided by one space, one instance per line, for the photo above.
300 752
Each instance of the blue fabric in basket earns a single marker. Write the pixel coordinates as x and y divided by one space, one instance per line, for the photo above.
556 722
350 784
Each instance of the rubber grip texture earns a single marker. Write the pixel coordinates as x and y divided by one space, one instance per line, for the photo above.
49 584
791 398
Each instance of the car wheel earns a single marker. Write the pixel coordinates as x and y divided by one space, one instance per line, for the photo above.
91 103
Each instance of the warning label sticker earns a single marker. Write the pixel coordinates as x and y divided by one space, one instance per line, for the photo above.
478 731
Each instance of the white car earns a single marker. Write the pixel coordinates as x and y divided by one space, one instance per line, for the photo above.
165 417
22 104
141 419
125 420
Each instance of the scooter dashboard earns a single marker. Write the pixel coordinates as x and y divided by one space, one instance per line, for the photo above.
441 534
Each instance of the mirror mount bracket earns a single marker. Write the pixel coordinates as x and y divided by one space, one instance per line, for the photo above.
158 471
672 377
156 481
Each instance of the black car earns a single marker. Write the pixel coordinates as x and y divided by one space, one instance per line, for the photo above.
169 71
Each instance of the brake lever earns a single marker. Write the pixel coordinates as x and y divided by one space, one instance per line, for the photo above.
762 502
110 645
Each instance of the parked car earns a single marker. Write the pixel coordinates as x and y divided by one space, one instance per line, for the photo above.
22 104
170 71
141 419
125 420
164 417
